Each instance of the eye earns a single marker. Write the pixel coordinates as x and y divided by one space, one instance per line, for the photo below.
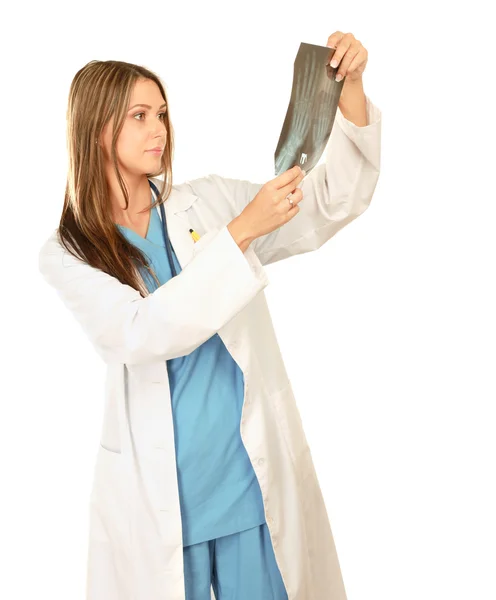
162 115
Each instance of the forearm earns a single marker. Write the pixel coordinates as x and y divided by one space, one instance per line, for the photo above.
352 102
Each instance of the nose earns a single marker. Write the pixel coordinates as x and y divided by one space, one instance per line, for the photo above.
159 135
160 130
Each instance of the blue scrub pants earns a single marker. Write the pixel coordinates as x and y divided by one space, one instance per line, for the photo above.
241 566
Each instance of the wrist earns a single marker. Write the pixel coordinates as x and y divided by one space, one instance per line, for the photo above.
240 232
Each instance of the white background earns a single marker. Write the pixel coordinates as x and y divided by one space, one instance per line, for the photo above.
387 331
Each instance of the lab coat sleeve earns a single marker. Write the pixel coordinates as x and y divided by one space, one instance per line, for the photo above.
172 321
335 192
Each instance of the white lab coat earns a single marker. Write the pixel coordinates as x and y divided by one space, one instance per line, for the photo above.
135 549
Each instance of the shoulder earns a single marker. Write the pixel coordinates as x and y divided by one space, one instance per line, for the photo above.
54 258
52 245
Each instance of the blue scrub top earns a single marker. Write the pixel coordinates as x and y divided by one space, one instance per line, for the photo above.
218 489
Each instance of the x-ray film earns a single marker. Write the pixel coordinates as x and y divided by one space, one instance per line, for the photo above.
311 111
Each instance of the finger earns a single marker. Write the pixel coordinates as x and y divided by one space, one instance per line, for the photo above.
348 58
357 61
333 40
287 177
296 196
291 186
341 50
292 212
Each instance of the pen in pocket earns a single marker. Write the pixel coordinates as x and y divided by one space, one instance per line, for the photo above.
194 235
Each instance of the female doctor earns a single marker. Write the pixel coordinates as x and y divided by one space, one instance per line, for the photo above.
167 283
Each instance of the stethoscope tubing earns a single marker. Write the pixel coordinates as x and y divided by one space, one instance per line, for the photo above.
167 243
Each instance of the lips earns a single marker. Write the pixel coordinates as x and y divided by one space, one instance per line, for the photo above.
157 149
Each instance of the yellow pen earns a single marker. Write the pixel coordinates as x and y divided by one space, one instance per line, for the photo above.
194 235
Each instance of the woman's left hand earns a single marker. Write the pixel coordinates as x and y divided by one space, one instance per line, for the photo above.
350 55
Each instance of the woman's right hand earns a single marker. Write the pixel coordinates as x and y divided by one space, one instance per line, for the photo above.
270 208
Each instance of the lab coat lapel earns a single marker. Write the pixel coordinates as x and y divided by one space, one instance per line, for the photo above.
177 224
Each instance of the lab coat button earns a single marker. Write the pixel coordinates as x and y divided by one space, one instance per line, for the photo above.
261 461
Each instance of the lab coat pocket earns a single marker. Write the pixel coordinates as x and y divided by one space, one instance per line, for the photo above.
289 420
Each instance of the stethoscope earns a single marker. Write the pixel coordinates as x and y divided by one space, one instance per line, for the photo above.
167 243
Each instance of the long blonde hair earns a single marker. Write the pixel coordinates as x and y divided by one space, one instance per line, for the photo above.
100 90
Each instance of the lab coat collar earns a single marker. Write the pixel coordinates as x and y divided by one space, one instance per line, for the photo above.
180 237
179 200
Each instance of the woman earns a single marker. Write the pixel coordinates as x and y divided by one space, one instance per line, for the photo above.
203 477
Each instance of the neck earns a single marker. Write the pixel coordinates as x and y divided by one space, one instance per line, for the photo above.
139 193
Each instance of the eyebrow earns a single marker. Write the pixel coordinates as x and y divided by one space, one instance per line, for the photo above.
147 106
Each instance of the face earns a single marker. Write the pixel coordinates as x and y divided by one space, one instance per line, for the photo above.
144 128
